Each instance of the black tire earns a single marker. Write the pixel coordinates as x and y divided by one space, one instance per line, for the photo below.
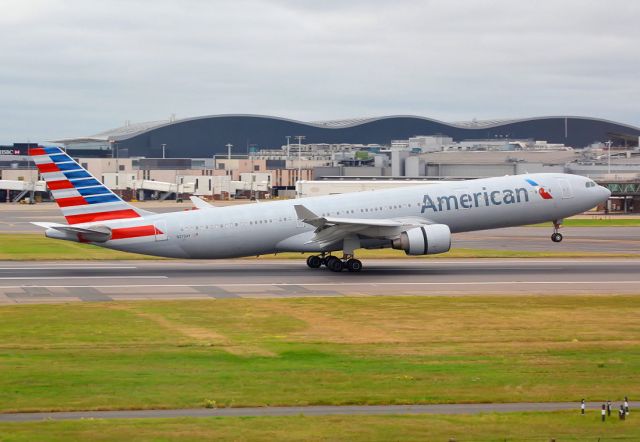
354 265
314 262
329 259
334 264
556 237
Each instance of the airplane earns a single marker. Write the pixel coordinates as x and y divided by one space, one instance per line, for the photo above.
418 219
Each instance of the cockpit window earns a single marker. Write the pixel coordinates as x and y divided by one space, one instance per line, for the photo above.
589 184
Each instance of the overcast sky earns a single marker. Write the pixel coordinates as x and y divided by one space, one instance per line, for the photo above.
72 68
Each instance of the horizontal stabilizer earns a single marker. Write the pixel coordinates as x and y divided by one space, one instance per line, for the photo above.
93 234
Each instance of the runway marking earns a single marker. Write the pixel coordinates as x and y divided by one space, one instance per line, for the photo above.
74 263
57 268
84 277
312 284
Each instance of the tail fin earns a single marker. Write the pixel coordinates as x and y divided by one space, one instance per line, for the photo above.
80 196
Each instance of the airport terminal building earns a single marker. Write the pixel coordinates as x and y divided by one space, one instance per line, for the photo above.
227 156
206 136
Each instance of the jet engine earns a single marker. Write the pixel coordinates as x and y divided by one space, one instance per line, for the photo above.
425 240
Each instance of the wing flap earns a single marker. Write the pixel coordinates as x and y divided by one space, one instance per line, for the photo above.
330 230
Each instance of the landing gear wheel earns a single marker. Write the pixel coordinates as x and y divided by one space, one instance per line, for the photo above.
334 264
314 261
556 237
353 265
329 260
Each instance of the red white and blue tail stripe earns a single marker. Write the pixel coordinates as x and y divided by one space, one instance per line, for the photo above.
80 196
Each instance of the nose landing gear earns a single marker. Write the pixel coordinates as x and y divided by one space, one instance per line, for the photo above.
556 236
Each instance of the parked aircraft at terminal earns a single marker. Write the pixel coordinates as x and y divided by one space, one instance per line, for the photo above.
417 219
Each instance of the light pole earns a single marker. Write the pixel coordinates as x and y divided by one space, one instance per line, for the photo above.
163 146
177 187
228 146
117 164
288 137
31 179
609 157
300 138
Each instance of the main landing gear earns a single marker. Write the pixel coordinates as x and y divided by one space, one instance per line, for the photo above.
334 263
556 236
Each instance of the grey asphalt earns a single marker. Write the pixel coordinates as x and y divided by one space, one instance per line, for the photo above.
46 282
313 411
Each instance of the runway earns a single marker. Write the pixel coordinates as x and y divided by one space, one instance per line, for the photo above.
322 410
47 282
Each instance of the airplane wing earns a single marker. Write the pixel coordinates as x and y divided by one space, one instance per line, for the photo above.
95 233
333 229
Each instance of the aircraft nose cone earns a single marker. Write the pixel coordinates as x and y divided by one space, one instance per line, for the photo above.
606 193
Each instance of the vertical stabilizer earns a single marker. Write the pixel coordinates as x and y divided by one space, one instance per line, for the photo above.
80 196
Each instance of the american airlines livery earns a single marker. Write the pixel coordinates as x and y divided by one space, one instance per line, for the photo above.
418 219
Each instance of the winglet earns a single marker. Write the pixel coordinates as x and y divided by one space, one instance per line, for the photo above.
199 203
307 216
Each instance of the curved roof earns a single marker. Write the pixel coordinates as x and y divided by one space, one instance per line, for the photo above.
129 130
132 129
207 135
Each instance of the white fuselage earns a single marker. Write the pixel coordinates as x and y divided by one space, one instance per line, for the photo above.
272 227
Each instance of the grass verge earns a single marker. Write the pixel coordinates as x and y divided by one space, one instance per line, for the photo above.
597 222
313 351
564 426
29 247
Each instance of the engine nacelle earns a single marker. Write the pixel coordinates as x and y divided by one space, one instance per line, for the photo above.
425 240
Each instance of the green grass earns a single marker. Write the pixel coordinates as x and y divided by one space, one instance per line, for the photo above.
540 427
27 247
596 222
383 350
